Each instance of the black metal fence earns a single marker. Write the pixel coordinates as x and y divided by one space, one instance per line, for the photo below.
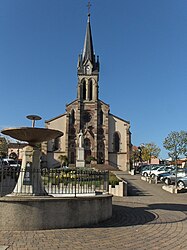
56 182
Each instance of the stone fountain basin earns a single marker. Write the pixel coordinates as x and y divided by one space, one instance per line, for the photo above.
32 135
46 213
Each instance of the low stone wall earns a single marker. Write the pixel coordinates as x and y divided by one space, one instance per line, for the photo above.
149 180
119 190
171 189
39 213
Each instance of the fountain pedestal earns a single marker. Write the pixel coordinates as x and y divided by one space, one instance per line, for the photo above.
80 162
29 181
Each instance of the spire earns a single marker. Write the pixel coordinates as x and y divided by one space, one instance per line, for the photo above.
87 62
88 52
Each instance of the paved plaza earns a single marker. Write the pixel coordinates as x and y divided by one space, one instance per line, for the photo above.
149 218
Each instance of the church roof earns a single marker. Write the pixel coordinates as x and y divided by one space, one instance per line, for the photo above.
88 55
55 118
59 116
120 118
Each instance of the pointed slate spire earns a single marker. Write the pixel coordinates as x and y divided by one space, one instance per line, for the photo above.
88 52
88 55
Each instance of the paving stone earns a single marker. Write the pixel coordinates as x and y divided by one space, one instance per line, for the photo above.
150 218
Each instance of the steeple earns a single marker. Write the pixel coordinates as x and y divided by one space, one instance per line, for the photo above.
86 61
88 53
88 69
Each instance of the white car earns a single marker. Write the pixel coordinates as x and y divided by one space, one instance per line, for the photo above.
158 171
146 171
154 171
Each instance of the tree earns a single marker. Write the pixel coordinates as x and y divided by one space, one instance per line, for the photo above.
176 144
149 150
63 160
184 142
135 155
3 147
90 158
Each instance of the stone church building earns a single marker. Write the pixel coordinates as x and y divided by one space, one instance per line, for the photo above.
106 137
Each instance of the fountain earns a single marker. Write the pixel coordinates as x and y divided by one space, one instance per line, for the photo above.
36 210
31 155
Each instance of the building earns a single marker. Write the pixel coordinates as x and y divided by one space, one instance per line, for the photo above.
15 149
107 138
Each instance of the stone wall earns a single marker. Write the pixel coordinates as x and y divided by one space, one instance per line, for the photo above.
39 213
119 190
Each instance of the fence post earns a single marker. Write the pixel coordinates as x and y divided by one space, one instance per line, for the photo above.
75 183
106 181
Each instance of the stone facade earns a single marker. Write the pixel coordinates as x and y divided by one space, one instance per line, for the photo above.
106 137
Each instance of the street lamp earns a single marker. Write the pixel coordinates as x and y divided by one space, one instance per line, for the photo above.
140 154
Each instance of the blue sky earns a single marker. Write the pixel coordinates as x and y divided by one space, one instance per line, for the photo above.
142 45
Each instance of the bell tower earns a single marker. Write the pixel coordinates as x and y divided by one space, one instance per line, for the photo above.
87 114
88 70
90 116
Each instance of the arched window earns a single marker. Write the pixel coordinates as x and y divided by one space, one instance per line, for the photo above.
116 142
72 158
90 90
57 143
84 90
101 152
100 158
87 144
101 117
72 117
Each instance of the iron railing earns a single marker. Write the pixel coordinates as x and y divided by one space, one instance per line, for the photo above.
56 182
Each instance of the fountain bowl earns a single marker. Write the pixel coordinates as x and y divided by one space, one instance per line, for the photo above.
32 135
23 213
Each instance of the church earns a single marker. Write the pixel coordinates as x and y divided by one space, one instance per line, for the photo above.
106 137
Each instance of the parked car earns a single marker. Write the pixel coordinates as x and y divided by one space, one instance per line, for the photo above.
155 170
167 178
163 169
170 178
182 182
146 170
11 163
139 168
10 167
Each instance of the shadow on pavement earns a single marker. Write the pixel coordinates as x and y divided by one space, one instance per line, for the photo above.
124 216
132 190
127 216
168 206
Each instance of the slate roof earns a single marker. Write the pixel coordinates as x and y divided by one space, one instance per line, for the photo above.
88 52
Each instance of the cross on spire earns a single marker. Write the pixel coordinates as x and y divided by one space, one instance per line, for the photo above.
89 6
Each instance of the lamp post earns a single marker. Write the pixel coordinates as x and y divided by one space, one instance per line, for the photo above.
176 170
140 154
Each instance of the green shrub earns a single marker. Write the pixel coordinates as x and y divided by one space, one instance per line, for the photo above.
113 180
